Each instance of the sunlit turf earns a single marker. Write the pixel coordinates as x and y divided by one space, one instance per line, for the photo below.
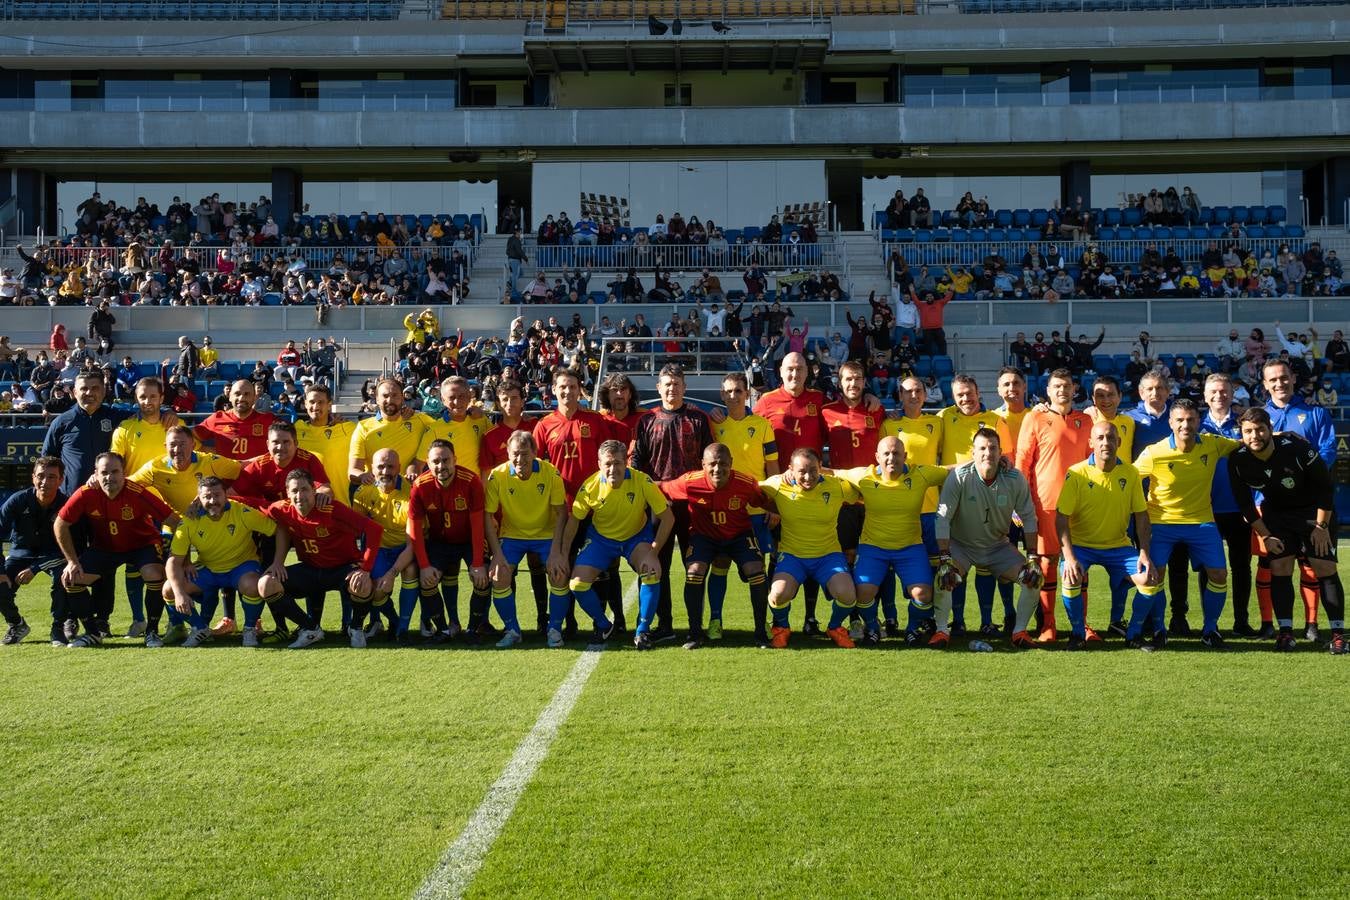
728 771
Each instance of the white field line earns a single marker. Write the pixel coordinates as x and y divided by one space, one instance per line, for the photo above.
460 862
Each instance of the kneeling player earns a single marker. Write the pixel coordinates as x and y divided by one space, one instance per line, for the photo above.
325 541
720 500
617 499
386 501
532 500
124 529
1096 502
892 538
808 503
975 512
1296 519
227 559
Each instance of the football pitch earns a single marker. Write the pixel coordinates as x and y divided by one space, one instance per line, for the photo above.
726 771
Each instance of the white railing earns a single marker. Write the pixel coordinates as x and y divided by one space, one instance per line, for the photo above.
1118 253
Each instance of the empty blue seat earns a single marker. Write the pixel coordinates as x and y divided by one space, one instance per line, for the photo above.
903 235
1238 214
1293 231
1122 360
1039 217
1107 233
1103 363
1256 231
998 234
1003 217
1131 215
1276 231
1110 217
1275 215
1222 215
979 234
942 366
960 235
1021 218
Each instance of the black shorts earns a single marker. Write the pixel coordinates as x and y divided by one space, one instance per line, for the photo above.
1296 536
449 557
304 580
741 550
851 525
105 562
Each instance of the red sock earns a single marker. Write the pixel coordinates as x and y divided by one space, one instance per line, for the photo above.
1312 593
1263 591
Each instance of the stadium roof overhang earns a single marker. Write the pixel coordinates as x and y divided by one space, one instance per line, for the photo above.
550 55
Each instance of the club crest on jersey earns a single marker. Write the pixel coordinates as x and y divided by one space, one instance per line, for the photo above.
128 514
1301 417
1171 466
539 488
328 432
230 528
630 496
750 431
734 503
909 483
1288 483
1204 459
461 504
825 495
1121 482
929 427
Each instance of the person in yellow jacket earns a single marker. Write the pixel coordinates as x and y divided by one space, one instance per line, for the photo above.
423 326
961 281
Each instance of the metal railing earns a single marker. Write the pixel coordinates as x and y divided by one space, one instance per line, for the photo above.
204 10
682 257
208 255
1059 6
1117 253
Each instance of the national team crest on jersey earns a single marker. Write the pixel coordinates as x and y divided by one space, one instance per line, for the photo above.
585 430
871 423
734 503
461 504
257 430
811 409
128 514
322 532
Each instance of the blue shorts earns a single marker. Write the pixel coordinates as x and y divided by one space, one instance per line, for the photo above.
385 559
763 536
1203 542
600 552
910 563
210 581
1120 563
819 569
928 528
514 549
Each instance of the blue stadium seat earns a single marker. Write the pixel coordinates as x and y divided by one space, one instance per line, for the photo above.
204 406
1256 231
1275 215
1003 217
979 234
903 235
998 235
1131 215
1212 361
751 232
271 299
147 368
960 235
1238 214
1217 231
923 367
878 219
943 367
1275 231
942 234
1294 231
1039 217
923 235
950 219
1222 215
1122 360
1111 216
1256 215
1021 218
1199 232
1103 363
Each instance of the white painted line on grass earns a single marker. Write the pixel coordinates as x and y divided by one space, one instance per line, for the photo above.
461 861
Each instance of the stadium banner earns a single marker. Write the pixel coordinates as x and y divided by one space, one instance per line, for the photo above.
21 444
1340 475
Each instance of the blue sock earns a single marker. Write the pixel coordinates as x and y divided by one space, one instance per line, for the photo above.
593 606
959 603
505 604
1005 591
1160 611
984 595
869 614
1119 592
1139 614
558 603
252 612
887 598
135 594
916 616
408 593
202 610
175 617
1073 605
649 596
838 613
717 592
780 616
1212 601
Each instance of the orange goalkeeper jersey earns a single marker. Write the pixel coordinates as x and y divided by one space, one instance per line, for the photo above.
1048 444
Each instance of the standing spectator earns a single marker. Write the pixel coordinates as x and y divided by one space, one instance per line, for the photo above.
101 322
1337 352
188 360
515 259
930 320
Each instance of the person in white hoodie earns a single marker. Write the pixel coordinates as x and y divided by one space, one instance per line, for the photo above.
906 321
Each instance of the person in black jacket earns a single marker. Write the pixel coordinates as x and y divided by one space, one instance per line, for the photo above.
1082 351
26 521
101 322
34 266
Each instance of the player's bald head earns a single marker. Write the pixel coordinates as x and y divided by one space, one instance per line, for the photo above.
387 456
1102 428
716 451
890 444
792 360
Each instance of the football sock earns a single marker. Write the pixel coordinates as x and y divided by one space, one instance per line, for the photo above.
810 594
433 607
590 603
154 609
208 603
80 602
1309 584
1264 600
1333 599
1212 601
780 615
942 606
504 601
346 604
1282 598
649 597
1028 599
285 607
886 597
360 609
915 616
611 591
759 601
984 595
1005 592
479 604
717 591
408 592
1049 592
1120 592
314 606
227 600
7 606
539 590
839 612
1144 600
450 596
135 594
252 611
956 607
693 602
1073 605
868 611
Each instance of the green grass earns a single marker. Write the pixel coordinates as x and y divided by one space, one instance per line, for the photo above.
726 771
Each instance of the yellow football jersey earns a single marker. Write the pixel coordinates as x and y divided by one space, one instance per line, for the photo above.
1125 427
404 436
893 507
1099 504
138 442
619 512
958 432
751 442
179 489
810 518
223 543
466 436
389 509
922 437
528 505
332 444
1179 483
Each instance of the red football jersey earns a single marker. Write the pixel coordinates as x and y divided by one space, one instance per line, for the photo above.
326 538
720 514
796 421
853 434
573 445
129 521
446 514
225 434
262 481
625 429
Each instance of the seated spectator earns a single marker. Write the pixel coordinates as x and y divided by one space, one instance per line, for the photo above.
181 397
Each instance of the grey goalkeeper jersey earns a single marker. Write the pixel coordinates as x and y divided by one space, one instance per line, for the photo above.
977 515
